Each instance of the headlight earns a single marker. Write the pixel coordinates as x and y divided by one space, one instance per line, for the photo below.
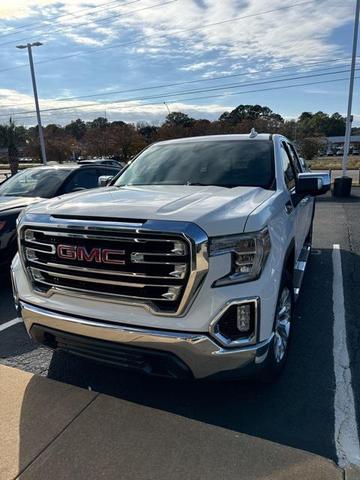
20 216
249 253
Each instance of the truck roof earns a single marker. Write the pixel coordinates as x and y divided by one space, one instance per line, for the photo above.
216 138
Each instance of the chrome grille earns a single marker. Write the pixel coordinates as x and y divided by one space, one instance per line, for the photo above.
156 269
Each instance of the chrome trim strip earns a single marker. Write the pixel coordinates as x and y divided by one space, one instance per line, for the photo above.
242 341
53 249
99 280
193 235
115 273
145 262
15 290
197 350
35 242
155 254
110 296
96 237
300 266
99 224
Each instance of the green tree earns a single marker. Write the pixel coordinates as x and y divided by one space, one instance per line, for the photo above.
310 147
147 131
100 122
76 128
250 112
179 119
12 137
320 123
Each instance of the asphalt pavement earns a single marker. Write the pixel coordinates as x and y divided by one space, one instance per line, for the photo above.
298 411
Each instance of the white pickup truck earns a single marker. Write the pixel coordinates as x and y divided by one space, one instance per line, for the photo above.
187 265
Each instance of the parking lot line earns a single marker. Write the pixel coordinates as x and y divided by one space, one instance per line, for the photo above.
346 431
10 323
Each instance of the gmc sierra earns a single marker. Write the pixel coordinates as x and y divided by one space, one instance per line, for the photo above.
187 265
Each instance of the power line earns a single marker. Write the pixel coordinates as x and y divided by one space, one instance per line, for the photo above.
265 89
185 82
212 89
176 32
56 17
108 19
222 95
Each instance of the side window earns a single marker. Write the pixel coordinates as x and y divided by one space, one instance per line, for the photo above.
110 171
288 170
295 157
82 179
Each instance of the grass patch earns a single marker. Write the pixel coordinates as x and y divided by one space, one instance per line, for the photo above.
334 163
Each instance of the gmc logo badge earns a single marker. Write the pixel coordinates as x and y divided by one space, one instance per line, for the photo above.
96 255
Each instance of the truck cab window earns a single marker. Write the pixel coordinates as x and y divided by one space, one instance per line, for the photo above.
288 169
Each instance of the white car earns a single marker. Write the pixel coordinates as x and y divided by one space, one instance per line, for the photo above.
188 265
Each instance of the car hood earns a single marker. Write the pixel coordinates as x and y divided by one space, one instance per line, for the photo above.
216 210
15 203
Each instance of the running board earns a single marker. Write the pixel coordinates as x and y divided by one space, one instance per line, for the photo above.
299 270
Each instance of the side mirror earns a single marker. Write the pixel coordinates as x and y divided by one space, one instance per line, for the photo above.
104 180
312 183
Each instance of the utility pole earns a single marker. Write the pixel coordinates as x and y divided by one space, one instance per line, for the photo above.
41 133
342 186
167 106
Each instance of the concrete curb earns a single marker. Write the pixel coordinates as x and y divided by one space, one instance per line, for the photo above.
352 473
43 422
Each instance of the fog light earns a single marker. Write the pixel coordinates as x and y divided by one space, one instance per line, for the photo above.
243 318
237 324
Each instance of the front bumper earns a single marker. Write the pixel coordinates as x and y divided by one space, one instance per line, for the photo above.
195 353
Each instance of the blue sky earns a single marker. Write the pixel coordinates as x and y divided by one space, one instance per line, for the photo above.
138 48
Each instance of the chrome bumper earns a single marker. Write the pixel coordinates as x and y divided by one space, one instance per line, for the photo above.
198 351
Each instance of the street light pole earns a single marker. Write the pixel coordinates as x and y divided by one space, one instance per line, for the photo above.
342 185
41 133
351 90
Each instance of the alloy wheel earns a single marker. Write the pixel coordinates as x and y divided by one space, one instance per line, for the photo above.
282 325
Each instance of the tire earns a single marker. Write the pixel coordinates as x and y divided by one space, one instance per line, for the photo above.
282 329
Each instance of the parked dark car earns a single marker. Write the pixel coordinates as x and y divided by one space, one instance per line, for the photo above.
102 161
35 184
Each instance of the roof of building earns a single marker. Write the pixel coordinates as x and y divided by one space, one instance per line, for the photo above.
341 139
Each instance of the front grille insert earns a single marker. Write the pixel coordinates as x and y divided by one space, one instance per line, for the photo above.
138 359
139 267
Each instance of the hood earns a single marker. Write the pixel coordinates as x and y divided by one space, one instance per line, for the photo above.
15 203
217 210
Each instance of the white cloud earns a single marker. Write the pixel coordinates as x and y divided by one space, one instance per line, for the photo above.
130 111
83 40
179 30
194 67
290 35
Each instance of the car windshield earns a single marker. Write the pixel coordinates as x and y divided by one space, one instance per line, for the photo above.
227 163
35 182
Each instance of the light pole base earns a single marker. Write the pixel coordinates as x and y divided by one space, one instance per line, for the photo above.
342 187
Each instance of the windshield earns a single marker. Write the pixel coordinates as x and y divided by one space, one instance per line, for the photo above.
222 163
35 182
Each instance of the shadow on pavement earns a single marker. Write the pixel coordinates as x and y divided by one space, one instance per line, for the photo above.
354 197
296 411
73 434
16 348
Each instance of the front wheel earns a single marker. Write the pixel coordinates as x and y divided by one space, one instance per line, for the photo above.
279 347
